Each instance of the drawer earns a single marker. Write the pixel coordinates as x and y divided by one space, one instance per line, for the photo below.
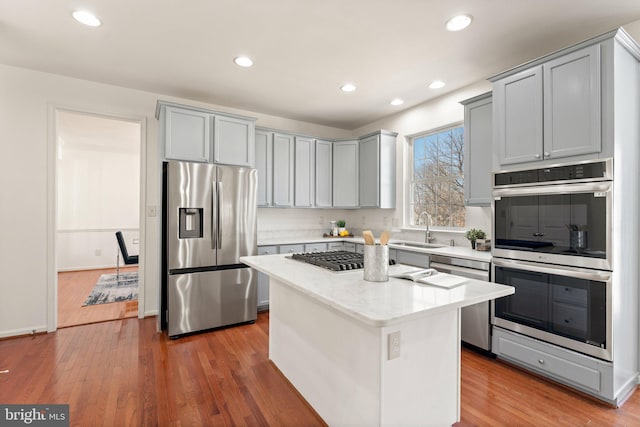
267 250
336 246
315 247
413 258
291 249
569 319
359 248
546 363
348 246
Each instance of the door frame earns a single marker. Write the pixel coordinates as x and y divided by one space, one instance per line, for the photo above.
52 198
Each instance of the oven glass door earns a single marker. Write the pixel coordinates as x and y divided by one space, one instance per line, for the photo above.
564 222
568 307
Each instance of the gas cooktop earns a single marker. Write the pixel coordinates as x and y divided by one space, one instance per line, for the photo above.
334 260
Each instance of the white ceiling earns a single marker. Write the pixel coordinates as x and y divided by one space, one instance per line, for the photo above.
303 50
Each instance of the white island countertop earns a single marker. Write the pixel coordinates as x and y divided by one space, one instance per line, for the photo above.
377 304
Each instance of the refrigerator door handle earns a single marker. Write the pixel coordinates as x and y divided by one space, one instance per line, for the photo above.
214 215
219 215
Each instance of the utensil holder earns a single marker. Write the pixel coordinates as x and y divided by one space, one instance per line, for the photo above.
578 239
376 263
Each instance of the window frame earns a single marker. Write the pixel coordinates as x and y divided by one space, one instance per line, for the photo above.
409 178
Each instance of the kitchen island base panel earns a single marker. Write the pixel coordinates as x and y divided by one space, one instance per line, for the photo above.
341 366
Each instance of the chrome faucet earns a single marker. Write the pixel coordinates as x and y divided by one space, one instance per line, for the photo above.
427 231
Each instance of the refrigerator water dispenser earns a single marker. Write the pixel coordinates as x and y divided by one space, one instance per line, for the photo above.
190 223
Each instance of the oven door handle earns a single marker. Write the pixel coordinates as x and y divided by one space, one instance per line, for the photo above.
588 187
596 275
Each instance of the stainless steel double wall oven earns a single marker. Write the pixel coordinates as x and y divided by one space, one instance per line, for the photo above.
552 243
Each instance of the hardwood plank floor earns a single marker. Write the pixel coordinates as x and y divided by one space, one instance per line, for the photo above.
125 373
73 289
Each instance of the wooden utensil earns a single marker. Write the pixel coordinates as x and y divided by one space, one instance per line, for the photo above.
368 237
384 238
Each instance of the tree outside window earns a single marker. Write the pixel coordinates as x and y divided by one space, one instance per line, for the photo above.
438 178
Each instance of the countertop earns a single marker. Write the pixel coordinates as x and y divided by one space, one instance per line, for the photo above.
375 303
464 252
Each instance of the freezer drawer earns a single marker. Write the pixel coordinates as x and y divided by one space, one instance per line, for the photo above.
198 301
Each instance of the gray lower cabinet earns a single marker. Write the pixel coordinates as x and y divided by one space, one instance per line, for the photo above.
478 134
345 174
263 279
377 170
264 166
324 174
412 258
593 376
305 162
283 170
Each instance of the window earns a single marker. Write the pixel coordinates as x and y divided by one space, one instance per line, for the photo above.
437 178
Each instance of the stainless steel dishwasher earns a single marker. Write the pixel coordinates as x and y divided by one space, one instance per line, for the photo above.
475 323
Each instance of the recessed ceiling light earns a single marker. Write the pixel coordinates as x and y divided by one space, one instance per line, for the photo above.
459 22
348 87
86 18
436 84
243 61
396 101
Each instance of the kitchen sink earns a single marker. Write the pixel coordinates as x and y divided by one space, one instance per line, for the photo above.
417 244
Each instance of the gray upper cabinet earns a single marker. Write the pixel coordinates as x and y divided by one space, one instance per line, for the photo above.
518 117
304 172
550 110
572 117
478 131
345 174
198 135
324 174
377 170
283 170
186 134
264 164
234 141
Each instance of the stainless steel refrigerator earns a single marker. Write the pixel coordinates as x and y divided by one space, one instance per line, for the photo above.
209 222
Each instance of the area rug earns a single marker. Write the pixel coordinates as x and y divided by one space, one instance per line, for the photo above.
110 289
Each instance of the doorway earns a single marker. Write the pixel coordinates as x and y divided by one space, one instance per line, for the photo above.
97 193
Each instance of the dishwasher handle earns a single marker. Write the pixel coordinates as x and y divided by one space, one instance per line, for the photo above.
469 273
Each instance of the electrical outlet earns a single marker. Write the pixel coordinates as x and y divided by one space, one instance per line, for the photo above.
385 220
393 345
98 252
321 221
364 220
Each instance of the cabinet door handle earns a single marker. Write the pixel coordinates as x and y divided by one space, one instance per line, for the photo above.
537 156
547 154
541 361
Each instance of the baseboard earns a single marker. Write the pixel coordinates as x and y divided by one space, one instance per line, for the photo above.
23 332
151 313
98 267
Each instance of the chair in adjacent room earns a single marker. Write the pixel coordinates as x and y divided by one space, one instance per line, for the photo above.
128 259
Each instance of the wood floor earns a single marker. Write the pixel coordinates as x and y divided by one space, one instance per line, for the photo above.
73 289
125 373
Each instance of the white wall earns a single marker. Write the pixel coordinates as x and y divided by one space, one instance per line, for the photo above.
98 189
27 147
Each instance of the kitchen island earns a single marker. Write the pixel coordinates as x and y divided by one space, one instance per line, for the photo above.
369 353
